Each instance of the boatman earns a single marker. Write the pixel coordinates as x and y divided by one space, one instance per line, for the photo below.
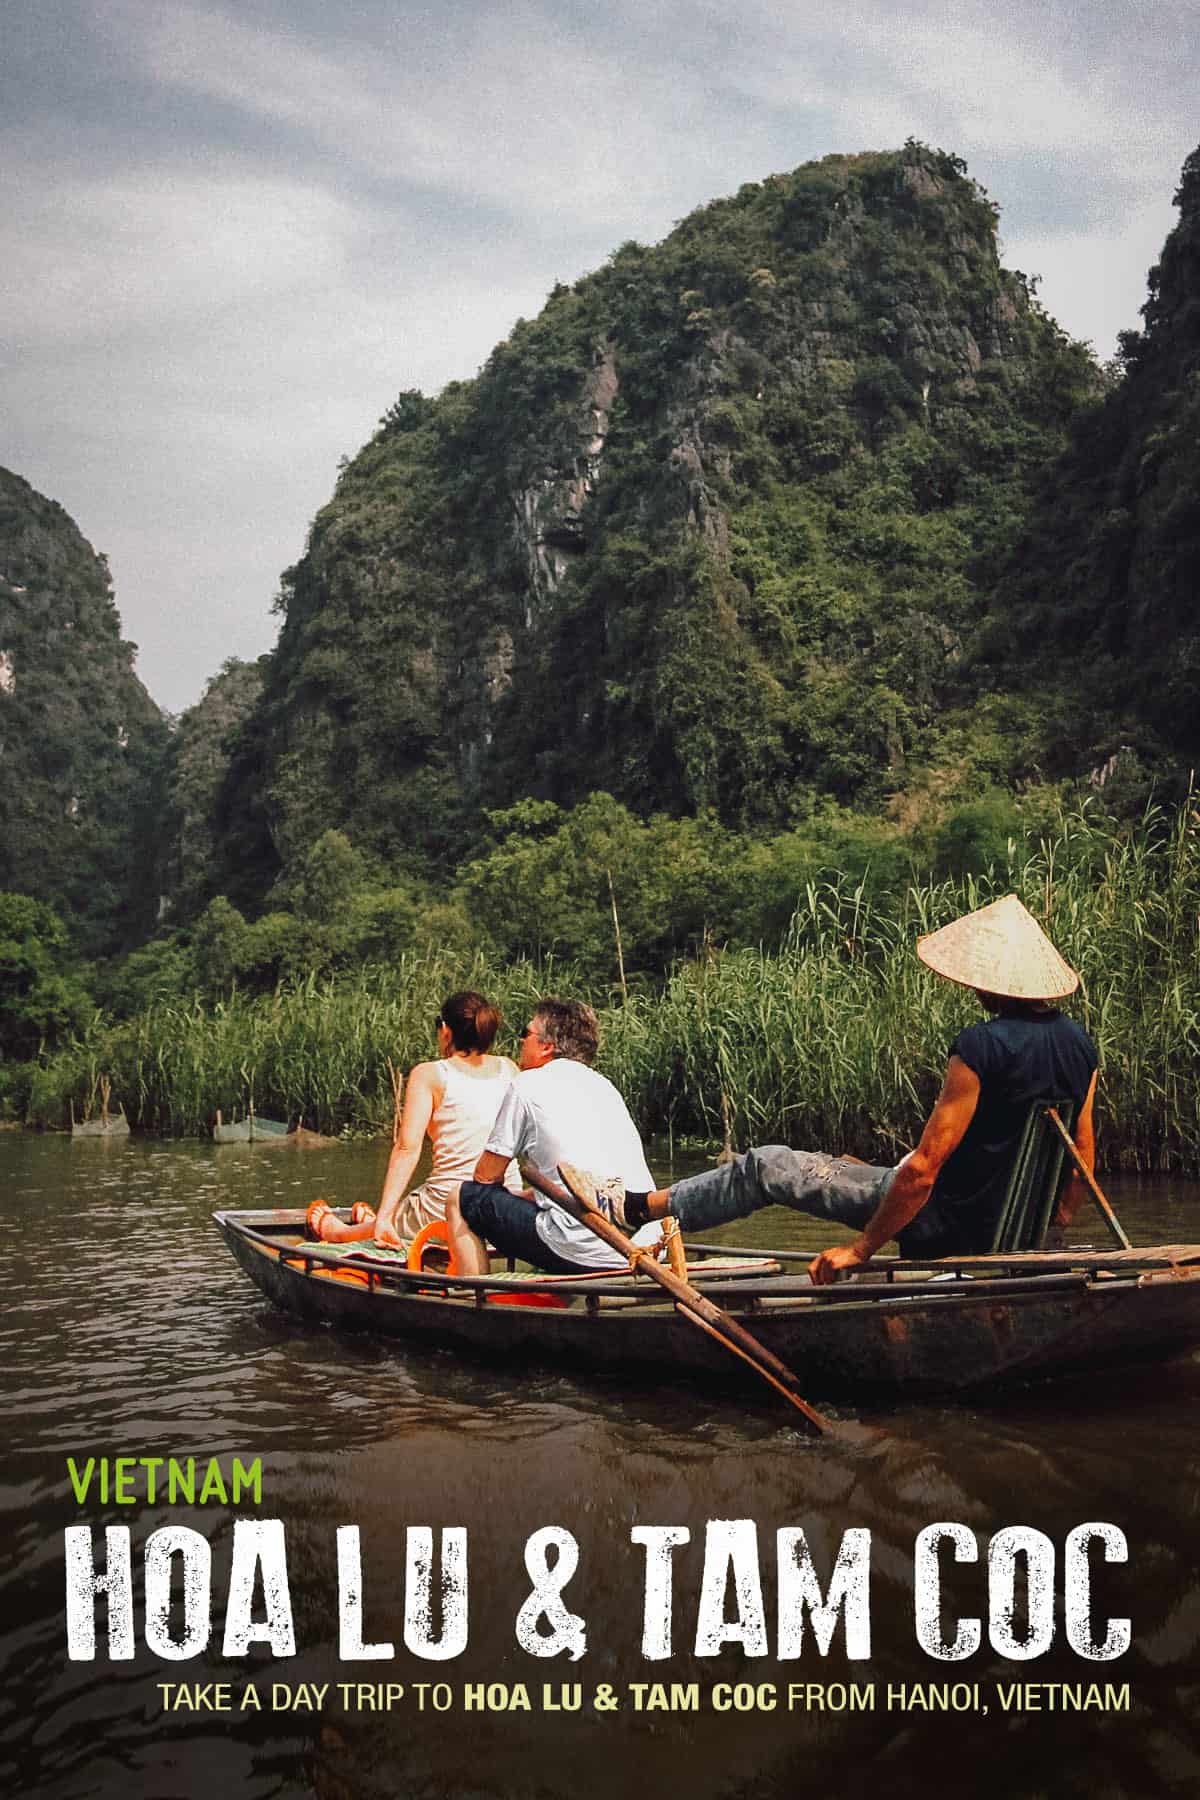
945 1197
557 1109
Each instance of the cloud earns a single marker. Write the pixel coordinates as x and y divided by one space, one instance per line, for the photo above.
988 85
105 258
257 222
521 109
195 442
599 127
1096 280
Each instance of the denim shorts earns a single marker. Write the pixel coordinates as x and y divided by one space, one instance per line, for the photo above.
510 1223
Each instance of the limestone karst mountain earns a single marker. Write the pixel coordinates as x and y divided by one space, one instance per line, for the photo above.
711 531
81 741
810 499
1101 594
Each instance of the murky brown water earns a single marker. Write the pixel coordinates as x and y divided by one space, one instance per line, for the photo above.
129 1330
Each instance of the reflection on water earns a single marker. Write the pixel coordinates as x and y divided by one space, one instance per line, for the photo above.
129 1330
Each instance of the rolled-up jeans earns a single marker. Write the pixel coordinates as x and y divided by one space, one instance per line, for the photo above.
825 1187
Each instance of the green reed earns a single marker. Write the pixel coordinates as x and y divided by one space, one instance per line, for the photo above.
317 1050
836 1038
839 1038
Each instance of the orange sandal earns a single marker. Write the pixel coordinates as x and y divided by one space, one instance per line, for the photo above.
361 1213
315 1217
324 1225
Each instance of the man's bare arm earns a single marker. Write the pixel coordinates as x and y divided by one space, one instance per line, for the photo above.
1074 1192
914 1179
492 1167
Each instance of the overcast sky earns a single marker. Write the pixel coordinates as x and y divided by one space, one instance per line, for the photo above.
230 234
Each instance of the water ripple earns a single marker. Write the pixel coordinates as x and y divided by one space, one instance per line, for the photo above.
129 1330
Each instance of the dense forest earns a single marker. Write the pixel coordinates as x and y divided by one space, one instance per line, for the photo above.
1101 589
712 533
81 742
799 555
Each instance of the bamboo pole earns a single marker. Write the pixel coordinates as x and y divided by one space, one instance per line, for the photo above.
726 1153
397 1078
1089 1180
727 1343
672 1237
617 930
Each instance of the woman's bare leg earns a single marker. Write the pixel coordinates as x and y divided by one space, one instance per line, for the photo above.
468 1251
334 1232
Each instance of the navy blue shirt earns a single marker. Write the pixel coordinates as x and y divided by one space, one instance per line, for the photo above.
1018 1060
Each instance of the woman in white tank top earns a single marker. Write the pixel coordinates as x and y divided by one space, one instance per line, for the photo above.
454 1101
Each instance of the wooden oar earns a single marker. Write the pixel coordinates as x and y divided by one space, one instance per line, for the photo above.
690 1302
1090 1182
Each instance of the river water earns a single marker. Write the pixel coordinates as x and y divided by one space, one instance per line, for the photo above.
129 1330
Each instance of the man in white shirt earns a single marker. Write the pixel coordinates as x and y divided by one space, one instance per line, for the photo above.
559 1109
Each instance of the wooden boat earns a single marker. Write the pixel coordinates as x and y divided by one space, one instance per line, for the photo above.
898 1329
250 1130
108 1125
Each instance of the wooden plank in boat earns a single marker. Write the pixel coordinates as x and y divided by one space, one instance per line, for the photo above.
886 1268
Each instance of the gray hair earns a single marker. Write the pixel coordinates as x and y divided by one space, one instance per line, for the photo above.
570 1027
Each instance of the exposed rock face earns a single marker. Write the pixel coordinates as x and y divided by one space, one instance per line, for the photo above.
549 512
80 739
196 773
680 536
1105 582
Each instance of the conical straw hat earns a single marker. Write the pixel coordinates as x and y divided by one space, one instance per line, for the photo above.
1000 949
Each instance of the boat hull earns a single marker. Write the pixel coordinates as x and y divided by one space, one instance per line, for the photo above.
904 1339
114 1126
251 1130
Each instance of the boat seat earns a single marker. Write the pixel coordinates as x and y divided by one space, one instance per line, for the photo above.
1039 1172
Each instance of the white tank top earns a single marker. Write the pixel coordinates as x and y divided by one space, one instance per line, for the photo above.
461 1124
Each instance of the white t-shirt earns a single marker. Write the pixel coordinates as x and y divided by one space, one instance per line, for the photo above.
568 1112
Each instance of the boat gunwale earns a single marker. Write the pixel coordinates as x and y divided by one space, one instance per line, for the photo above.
416 1284
1015 1328
739 1285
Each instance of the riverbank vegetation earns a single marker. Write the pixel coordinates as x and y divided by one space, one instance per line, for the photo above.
777 987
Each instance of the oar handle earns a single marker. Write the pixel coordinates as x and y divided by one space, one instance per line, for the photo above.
1089 1180
550 1190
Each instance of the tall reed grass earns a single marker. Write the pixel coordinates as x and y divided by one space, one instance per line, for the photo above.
836 1038
839 1039
317 1050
